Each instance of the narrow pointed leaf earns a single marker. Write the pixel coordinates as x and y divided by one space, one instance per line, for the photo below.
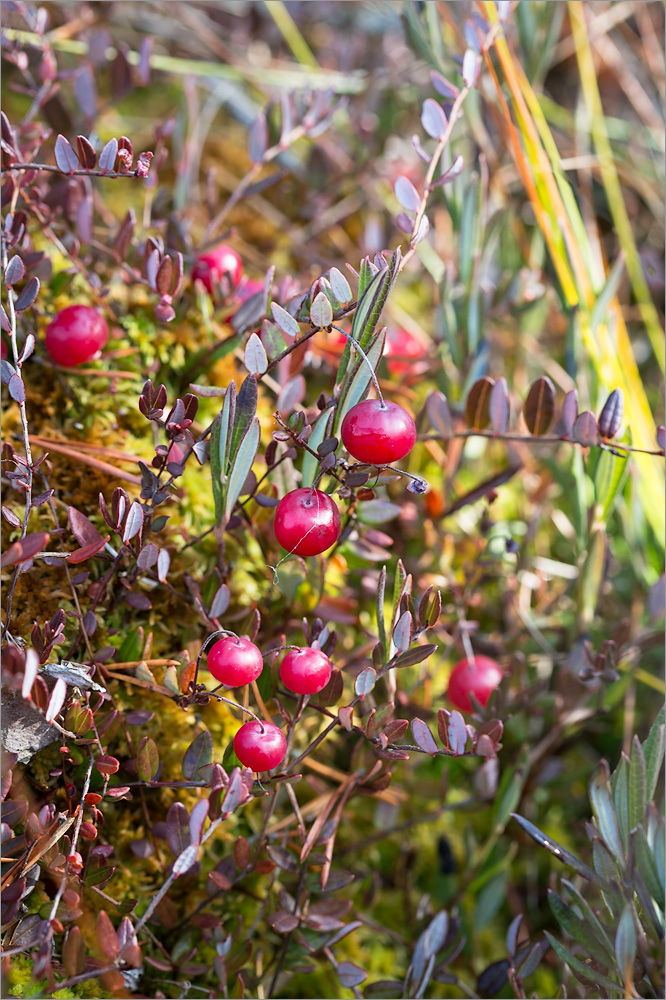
243 461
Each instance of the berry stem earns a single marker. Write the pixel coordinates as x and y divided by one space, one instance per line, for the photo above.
355 344
234 704
206 643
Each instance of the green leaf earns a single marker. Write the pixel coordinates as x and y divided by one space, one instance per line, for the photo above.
647 866
371 301
198 755
653 750
620 789
604 811
608 477
601 932
147 759
637 785
243 460
357 380
607 293
607 870
625 944
245 410
320 431
582 971
580 931
561 853
398 589
219 453
379 604
592 576
508 795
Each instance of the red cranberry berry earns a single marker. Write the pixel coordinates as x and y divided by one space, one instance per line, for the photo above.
402 349
307 522
76 335
220 262
479 678
378 433
235 661
260 745
305 671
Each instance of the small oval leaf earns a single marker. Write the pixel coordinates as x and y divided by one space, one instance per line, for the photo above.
540 406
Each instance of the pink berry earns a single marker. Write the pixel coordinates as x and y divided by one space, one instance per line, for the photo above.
260 745
404 347
305 671
76 335
479 678
220 262
307 522
235 661
378 433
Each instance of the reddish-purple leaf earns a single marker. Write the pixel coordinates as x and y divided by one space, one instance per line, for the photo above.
86 551
25 548
236 793
163 276
82 527
439 414
220 601
345 715
586 430
107 938
74 952
477 407
14 271
402 633
11 517
442 86
406 193
107 158
178 828
139 601
661 436
570 411
28 348
292 394
197 820
65 157
610 417
184 861
86 151
539 406
134 522
147 759
499 406
28 294
457 733
424 737
16 388
147 556
57 700
404 223
282 921
106 764
139 717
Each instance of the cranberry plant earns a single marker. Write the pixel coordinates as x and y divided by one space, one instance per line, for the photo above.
329 571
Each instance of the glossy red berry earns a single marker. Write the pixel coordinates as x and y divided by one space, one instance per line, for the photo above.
212 266
235 661
260 745
76 335
305 671
307 522
378 433
479 678
402 350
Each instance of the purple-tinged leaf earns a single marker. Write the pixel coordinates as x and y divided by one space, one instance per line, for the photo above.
86 151
106 764
11 517
443 87
470 67
198 757
419 150
107 939
29 672
24 549
4 320
365 682
28 348
8 371
28 294
439 414
134 522
143 164
433 119
406 193
477 406
610 417
402 633
184 861
415 655
570 412
499 406
163 561
86 551
256 359
449 175
586 429
83 529
404 223
220 601
350 975
286 322
147 556
539 406
292 394
424 737
457 733
321 311
236 793
139 717
16 388
107 158
282 921
163 276
65 157
197 820
57 700
661 437
177 828
147 759
512 935
152 267
14 271
258 138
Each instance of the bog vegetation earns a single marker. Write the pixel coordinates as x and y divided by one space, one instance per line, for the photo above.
333 494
